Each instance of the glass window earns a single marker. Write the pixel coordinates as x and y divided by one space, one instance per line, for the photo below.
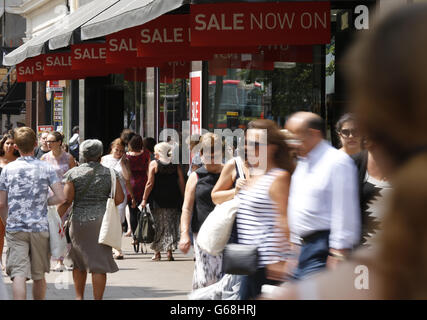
253 86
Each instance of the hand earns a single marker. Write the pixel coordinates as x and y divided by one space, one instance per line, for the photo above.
336 258
185 242
143 204
240 184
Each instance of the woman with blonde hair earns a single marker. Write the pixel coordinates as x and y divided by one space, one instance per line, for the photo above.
196 208
387 84
117 160
164 191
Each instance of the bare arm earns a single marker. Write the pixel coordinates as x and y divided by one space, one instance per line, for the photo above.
58 194
223 189
69 198
127 175
3 206
279 193
187 211
150 182
119 196
71 161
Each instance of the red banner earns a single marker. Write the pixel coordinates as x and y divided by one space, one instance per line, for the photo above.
300 54
234 24
196 102
57 64
31 70
175 70
135 74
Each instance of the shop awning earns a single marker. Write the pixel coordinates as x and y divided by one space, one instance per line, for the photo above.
126 14
60 34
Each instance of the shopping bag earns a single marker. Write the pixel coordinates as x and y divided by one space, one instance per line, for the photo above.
110 233
58 242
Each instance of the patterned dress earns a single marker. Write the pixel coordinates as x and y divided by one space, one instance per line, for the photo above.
92 185
166 201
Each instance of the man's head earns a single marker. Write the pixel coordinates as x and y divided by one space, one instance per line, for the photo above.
25 140
43 140
308 129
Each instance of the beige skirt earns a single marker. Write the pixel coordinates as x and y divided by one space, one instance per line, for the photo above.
86 253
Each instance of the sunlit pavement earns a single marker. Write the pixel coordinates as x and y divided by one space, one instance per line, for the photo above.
139 278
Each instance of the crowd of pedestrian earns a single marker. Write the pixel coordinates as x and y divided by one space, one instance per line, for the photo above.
304 205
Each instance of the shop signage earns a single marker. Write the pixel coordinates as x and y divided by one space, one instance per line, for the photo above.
234 24
135 74
285 53
44 128
31 70
196 102
57 64
89 56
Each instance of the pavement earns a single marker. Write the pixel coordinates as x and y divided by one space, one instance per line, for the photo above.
139 278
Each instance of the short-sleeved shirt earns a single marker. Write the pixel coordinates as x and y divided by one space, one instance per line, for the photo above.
27 181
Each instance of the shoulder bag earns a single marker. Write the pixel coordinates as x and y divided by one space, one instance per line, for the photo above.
57 239
216 229
110 233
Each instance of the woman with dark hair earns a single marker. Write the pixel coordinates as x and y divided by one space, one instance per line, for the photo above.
196 208
8 154
139 159
62 162
149 144
391 110
262 216
349 135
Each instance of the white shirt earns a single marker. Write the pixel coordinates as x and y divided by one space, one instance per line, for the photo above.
324 196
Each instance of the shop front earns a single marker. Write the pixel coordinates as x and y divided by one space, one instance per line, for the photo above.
215 65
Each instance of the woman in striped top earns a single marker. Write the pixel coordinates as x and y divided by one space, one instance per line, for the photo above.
261 217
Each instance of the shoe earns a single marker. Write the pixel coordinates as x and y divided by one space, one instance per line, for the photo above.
59 267
171 258
156 257
118 256
69 268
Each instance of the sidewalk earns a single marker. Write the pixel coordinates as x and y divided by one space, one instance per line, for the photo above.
139 278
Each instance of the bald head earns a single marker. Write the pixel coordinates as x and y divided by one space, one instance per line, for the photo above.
309 128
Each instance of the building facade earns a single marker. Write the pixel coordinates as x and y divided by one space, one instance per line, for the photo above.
150 81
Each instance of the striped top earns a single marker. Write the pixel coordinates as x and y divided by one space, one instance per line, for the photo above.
257 221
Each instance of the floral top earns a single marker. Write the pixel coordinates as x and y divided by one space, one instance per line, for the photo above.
27 181
90 192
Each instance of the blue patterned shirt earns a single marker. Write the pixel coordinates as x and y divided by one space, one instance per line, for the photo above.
27 181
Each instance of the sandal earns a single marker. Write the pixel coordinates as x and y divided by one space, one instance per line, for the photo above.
170 257
156 257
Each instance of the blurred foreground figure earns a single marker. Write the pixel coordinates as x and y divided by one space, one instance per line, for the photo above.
388 82
323 206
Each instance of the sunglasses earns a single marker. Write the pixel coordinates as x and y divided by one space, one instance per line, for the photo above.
347 132
51 141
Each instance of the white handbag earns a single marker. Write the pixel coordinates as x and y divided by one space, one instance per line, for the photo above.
216 229
110 233
57 240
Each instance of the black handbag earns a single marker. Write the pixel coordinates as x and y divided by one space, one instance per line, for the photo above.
240 259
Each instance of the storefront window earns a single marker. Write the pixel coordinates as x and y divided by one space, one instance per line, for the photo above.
252 87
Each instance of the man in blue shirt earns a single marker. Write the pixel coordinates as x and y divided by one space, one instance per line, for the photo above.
323 207
24 186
